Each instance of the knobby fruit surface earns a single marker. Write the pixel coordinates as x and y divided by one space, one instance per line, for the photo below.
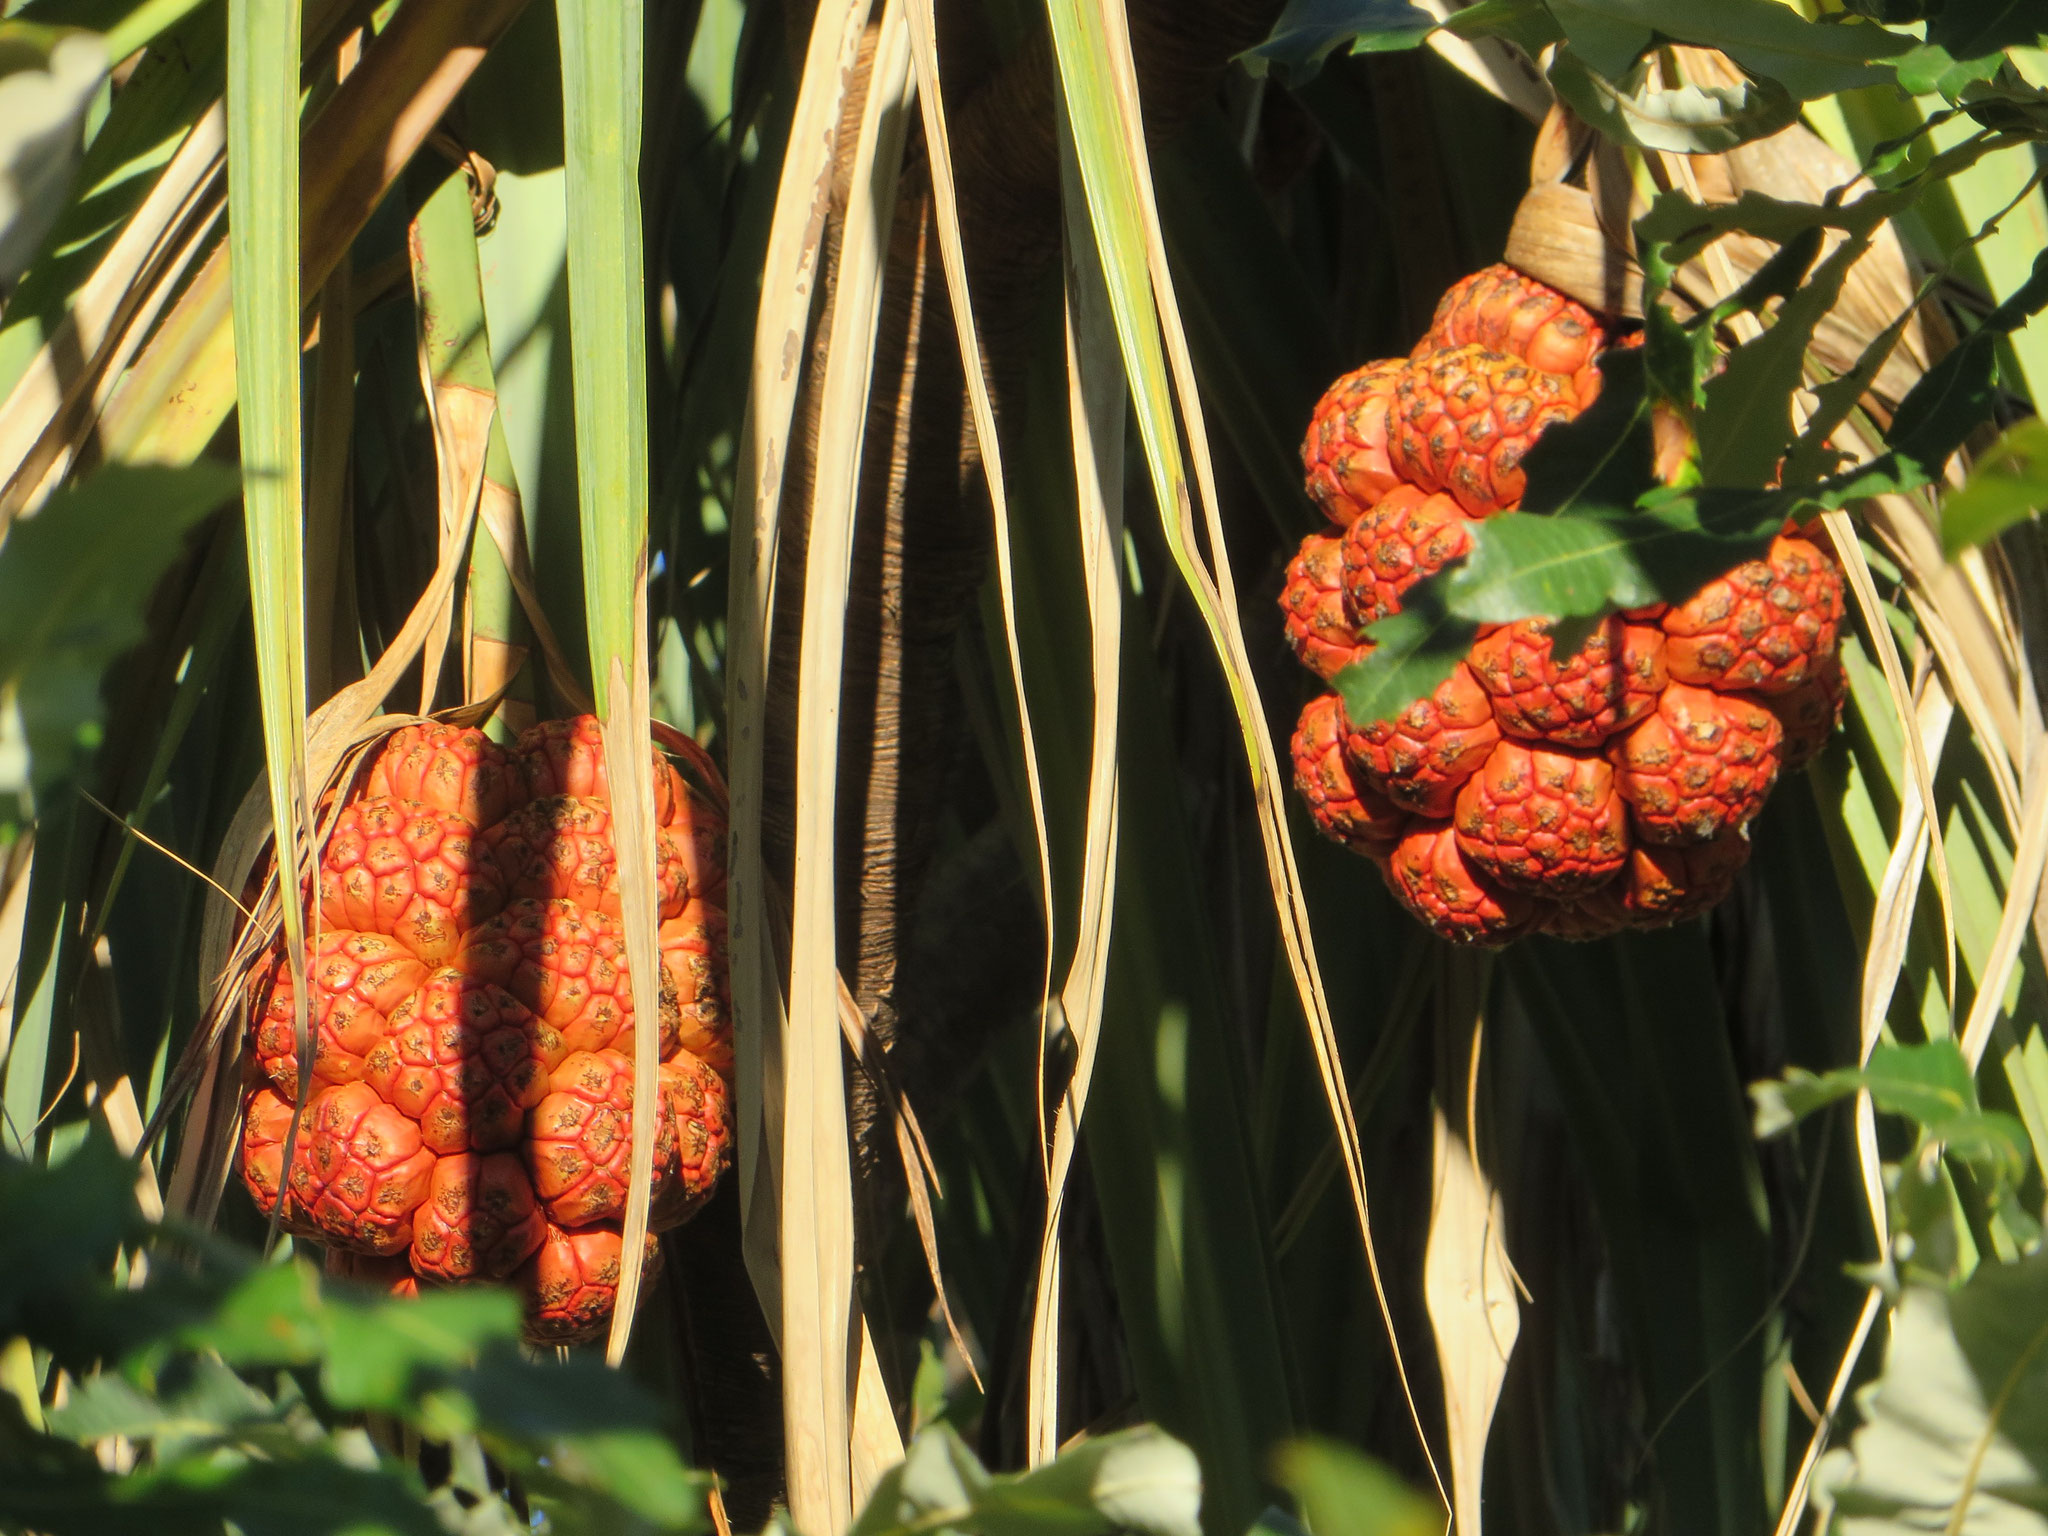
1320 629
1580 795
1341 802
469 1111
1344 455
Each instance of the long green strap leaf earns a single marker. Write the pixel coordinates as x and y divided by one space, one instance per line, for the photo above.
263 246
601 81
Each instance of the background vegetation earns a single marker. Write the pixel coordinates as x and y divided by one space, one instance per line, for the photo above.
901 400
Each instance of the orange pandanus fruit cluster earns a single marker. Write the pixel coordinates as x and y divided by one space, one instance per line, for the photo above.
1531 792
470 1110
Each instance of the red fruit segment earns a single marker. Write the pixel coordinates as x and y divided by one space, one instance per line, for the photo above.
580 1140
699 834
1764 627
1318 626
357 979
407 870
1464 417
1543 821
1505 311
1409 535
360 1169
1670 884
696 1007
266 1120
480 1220
572 1280
1431 878
1345 453
567 966
460 1061
1611 683
697 1098
1809 713
1700 766
560 848
566 757
449 768
1344 808
1420 757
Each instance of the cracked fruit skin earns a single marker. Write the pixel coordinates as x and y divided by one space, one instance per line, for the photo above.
1344 457
1543 820
1343 806
469 1112
1419 758
1430 876
1702 765
1765 627
1319 627
1574 795
1464 418
1409 535
1500 309
1611 683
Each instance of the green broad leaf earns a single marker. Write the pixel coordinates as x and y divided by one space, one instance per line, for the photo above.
195 1494
1604 41
1141 1481
1309 31
270 1318
1343 1493
1601 457
636 1470
1769 41
1746 426
938 1477
309 1495
47 82
1956 394
1568 568
74 583
81 1211
1137 1480
1688 227
1599 559
1929 1084
1955 1431
1974 29
1528 24
374 1354
1932 69
2008 485
1685 119
213 1401
1812 456
1413 652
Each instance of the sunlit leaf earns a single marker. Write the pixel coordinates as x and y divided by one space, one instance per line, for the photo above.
1345 1494
2008 485
1308 31
1953 1430
1684 119
73 584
